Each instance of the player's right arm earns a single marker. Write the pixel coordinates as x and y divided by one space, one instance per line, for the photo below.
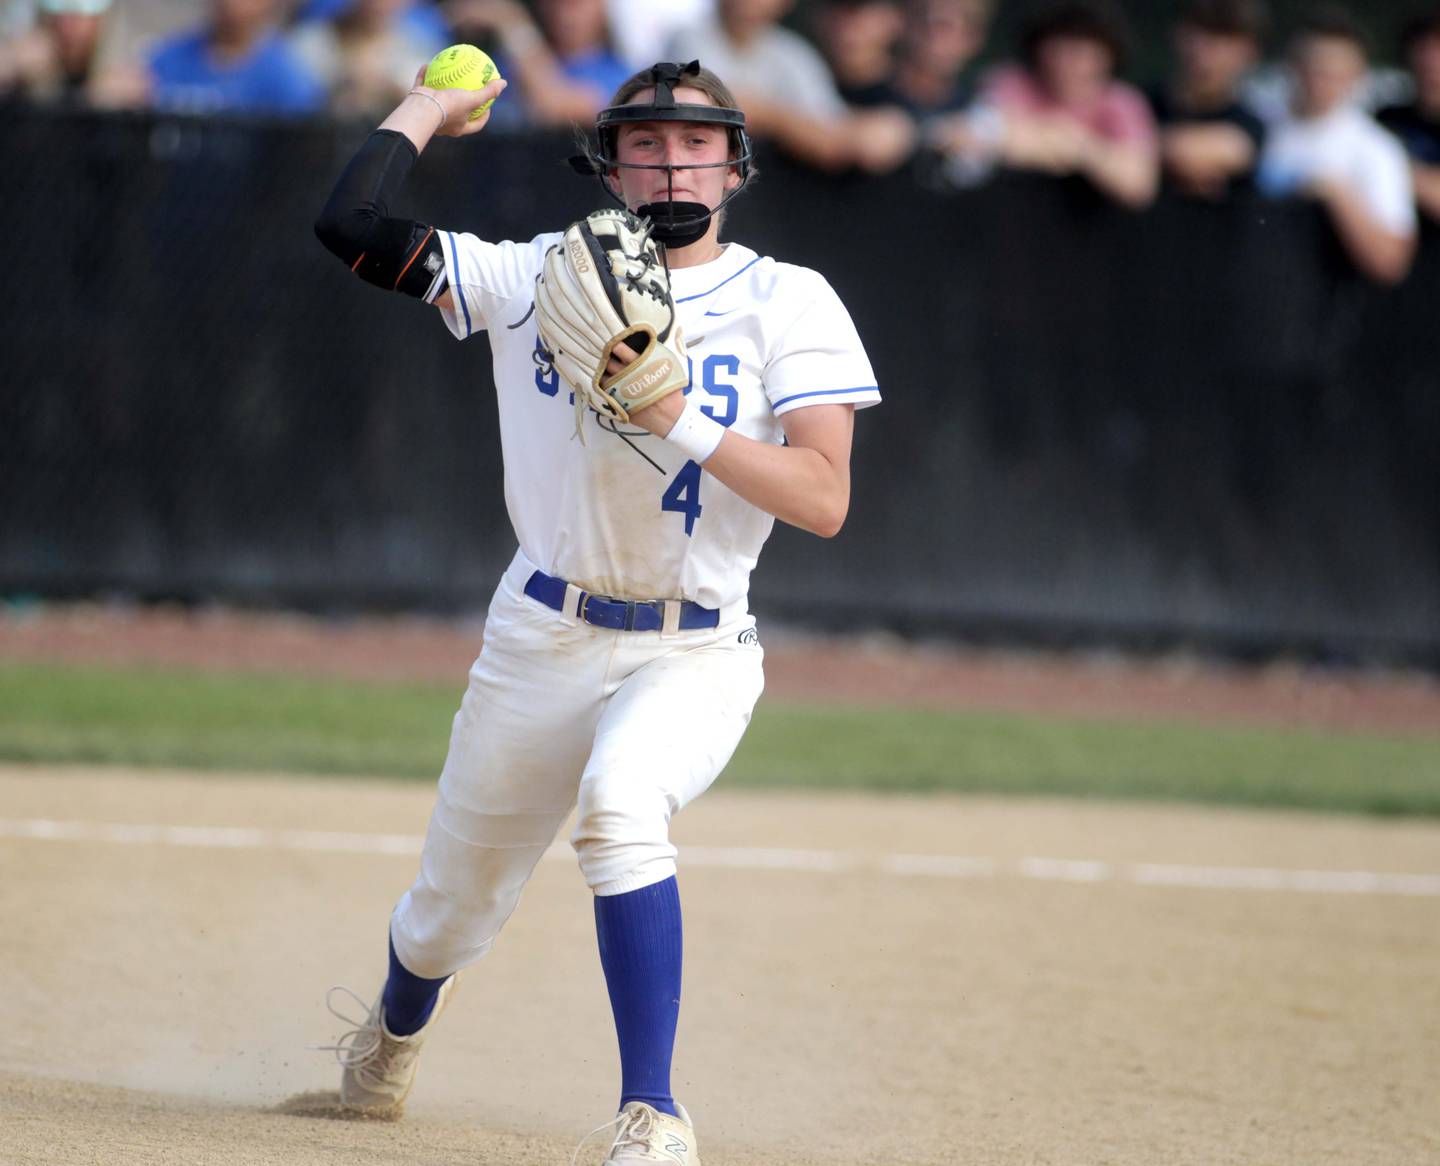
356 225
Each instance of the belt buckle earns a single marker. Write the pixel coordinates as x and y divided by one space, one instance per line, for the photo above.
585 606
632 608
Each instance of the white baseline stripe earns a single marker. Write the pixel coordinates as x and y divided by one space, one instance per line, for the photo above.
945 866
1066 870
829 861
949 866
1336 882
211 837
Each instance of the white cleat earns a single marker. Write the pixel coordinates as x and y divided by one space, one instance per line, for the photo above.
377 1067
647 1135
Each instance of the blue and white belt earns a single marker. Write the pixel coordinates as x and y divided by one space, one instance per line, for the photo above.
621 615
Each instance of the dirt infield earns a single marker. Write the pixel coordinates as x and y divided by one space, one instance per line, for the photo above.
844 1004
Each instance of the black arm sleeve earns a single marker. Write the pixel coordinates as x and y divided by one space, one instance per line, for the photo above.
356 225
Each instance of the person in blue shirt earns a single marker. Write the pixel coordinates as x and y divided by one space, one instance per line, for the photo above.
419 18
237 62
579 35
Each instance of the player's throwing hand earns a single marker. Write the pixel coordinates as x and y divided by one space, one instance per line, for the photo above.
458 111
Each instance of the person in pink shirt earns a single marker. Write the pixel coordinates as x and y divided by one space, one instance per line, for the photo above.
1062 111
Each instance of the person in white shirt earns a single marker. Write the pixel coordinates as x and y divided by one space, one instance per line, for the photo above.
621 662
643 29
1333 151
788 92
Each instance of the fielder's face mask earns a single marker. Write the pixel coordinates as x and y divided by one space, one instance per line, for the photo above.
676 224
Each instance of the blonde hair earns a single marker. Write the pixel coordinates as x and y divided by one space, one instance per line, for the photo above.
705 81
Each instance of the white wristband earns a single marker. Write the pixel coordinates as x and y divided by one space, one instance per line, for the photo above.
696 433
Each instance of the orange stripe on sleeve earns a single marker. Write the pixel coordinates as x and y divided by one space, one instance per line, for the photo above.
418 249
359 261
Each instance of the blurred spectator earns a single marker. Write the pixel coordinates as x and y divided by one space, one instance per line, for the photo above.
579 33
64 54
941 40
747 47
787 92
1209 140
366 55
421 19
1063 112
644 29
235 63
1417 123
859 39
1331 150
563 71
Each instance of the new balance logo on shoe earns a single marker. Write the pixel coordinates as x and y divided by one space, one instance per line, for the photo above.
644 1135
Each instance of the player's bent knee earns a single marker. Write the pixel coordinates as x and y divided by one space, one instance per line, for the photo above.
617 870
459 903
432 952
622 837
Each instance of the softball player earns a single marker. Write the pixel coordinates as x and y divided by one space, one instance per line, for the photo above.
620 663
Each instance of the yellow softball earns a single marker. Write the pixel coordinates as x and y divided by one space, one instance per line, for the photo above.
462 67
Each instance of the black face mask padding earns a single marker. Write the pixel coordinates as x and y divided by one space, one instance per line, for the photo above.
676 224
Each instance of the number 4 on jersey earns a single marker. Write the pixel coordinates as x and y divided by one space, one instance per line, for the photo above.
683 495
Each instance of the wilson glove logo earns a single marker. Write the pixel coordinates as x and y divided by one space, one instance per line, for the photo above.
653 377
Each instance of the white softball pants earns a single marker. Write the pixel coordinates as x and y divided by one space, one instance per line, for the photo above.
631 725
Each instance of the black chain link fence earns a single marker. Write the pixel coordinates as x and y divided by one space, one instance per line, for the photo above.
1192 424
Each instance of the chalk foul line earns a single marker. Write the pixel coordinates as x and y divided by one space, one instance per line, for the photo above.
943 866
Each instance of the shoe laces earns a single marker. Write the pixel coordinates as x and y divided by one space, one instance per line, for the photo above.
364 1039
635 1128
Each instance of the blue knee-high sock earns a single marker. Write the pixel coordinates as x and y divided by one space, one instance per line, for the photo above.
640 950
409 999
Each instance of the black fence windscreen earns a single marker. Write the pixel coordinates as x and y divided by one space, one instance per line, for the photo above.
1192 424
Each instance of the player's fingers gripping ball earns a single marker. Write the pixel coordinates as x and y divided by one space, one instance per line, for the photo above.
601 286
462 67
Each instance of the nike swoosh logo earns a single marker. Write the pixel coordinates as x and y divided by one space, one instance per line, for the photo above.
725 313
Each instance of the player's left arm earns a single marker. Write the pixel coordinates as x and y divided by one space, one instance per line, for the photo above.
805 482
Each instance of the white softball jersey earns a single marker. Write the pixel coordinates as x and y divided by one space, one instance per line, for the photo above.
624 728
624 513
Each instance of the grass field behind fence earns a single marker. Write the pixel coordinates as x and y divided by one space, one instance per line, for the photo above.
240 721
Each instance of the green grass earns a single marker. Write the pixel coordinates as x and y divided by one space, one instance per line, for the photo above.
1007 753
262 722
